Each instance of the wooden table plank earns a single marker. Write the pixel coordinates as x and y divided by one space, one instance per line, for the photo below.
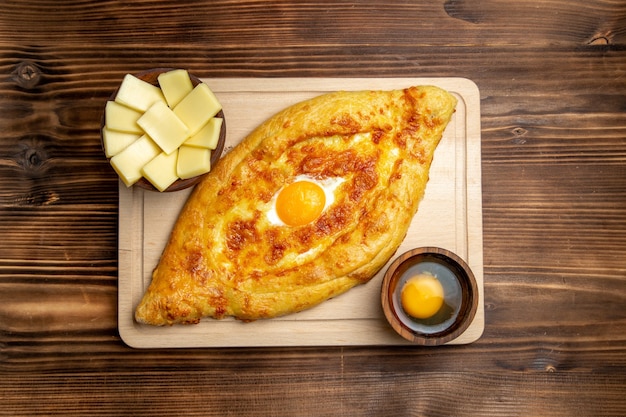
553 101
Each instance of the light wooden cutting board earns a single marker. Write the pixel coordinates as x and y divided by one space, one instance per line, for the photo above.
450 217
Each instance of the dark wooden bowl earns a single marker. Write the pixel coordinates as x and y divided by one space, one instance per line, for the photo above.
151 76
458 323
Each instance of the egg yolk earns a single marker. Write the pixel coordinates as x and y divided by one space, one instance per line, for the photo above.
422 296
300 203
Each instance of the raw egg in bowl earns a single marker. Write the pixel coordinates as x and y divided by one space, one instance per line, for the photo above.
429 296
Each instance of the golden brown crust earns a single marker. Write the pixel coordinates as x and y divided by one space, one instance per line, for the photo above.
225 259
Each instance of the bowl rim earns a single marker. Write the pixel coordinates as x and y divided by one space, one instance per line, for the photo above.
466 278
151 76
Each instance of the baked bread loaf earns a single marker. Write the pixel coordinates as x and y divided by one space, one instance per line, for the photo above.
234 252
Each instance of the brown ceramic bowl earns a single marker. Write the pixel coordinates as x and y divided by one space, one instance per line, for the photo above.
460 300
151 76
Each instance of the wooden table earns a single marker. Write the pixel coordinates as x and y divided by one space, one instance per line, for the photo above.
552 80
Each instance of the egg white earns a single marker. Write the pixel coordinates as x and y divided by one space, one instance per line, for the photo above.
329 185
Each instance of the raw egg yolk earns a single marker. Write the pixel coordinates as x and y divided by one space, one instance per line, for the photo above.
422 296
300 203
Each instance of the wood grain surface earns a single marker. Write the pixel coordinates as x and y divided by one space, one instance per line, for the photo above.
552 77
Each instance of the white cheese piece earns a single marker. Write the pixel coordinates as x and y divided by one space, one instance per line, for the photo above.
193 161
208 136
197 108
121 118
138 94
130 161
161 171
175 84
114 141
164 127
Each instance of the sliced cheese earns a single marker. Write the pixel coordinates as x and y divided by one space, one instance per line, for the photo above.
138 94
208 136
121 118
129 162
175 84
193 161
164 127
161 171
115 141
148 128
197 108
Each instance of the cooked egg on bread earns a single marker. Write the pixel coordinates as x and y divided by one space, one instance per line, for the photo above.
302 201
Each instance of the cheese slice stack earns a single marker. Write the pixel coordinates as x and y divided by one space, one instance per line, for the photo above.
161 133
